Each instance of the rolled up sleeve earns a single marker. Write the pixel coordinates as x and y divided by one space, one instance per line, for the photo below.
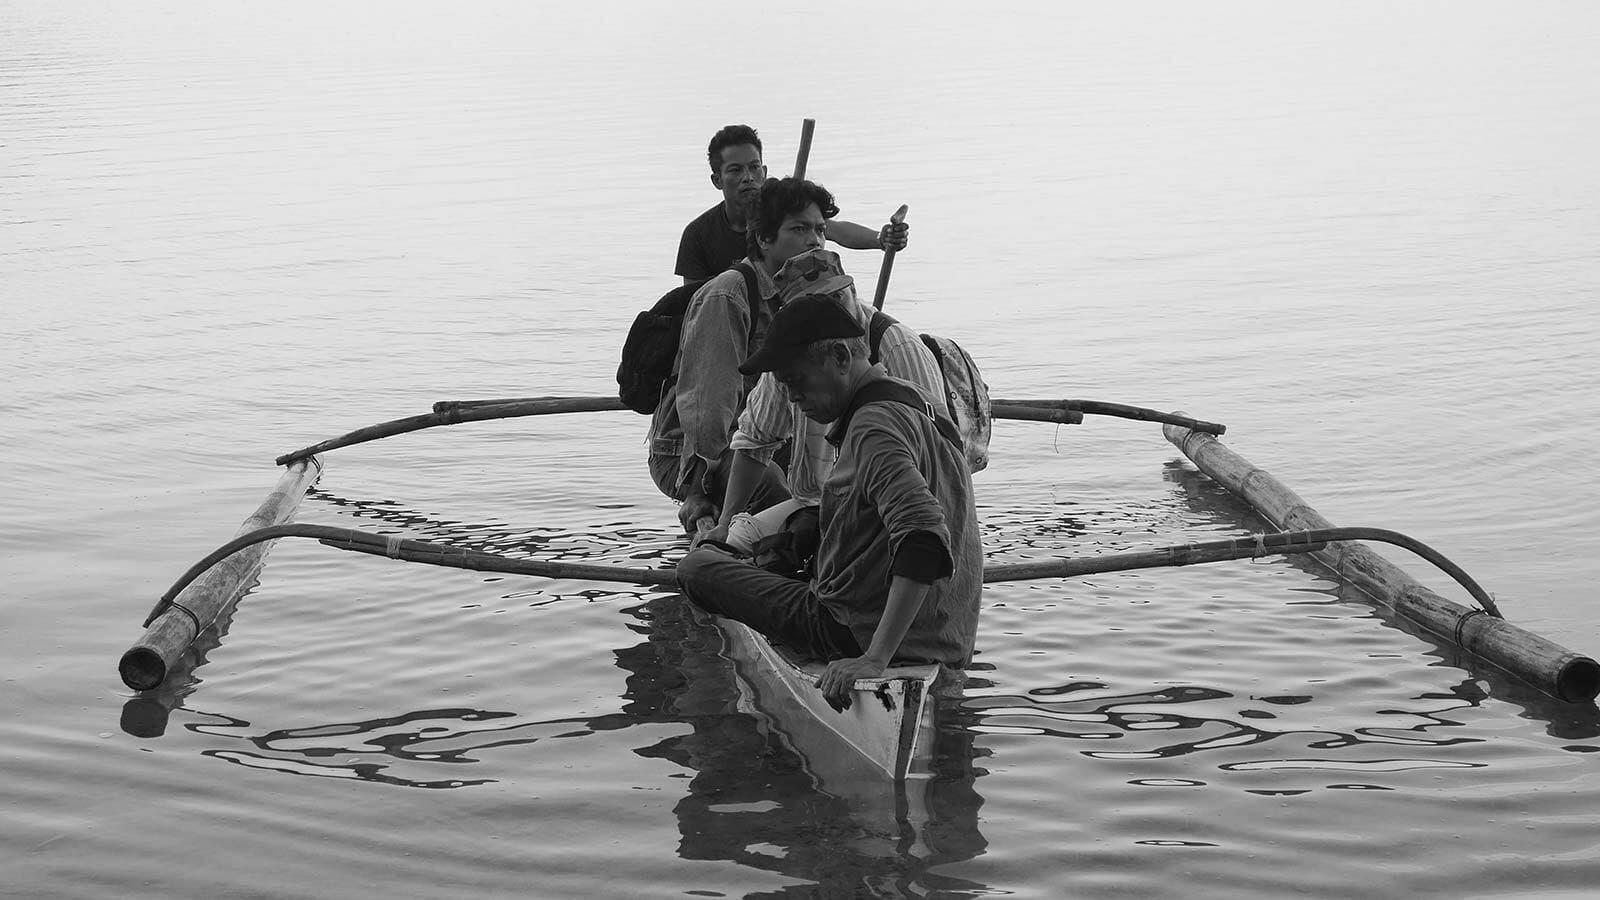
767 420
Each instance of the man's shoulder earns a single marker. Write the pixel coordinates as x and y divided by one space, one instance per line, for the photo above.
900 336
716 216
726 288
890 401
728 282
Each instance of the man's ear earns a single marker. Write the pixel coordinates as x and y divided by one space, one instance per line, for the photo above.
716 180
841 354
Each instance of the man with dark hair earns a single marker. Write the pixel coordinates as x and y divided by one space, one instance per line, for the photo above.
715 239
899 571
695 419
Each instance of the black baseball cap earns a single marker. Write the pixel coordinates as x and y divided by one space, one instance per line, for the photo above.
796 324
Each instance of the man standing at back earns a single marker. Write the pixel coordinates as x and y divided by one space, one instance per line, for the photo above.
715 239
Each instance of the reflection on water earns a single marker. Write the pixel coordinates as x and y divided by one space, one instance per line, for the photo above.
748 797
1138 720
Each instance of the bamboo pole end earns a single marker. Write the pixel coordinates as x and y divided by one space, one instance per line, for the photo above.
142 668
1578 680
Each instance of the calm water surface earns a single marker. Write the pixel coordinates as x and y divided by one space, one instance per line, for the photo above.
1361 236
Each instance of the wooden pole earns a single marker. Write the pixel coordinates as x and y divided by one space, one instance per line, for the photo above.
1103 408
888 263
807 126
1066 412
146 664
1542 663
459 412
1181 555
409 550
1035 414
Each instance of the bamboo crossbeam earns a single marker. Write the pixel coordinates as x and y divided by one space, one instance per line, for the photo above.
1066 412
1540 662
1120 410
1035 414
411 550
146 664
463 411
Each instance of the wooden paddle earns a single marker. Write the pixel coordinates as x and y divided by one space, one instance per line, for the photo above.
807 126
888 263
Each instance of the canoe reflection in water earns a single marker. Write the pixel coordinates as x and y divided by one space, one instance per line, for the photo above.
756 801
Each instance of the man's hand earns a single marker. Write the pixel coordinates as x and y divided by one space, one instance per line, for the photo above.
695 507
716 534
894 236
841 674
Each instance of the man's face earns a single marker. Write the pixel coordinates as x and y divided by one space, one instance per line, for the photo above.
821 387
799 232
740 175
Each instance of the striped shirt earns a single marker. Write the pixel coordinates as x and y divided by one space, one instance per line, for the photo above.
769 418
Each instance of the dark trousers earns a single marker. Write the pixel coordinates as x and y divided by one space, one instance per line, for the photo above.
781 608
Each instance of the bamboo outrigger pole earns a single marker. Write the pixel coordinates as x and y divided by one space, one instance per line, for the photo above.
181 619
452 412
1546 665
409 550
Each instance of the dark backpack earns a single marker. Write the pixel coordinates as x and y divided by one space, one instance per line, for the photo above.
966 395
651 347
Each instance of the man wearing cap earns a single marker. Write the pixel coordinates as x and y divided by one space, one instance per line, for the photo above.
715 239
695 418
899 570
769 419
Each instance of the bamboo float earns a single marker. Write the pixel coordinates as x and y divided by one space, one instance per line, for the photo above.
145 665
1546 665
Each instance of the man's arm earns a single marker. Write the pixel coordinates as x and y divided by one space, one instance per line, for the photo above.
892 236
905 600
710 388
766 422
697 504
744 474
909 510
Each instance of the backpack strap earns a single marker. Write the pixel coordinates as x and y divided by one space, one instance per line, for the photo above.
880 324
752 296
882 389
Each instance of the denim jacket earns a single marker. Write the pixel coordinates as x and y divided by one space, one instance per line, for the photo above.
700 407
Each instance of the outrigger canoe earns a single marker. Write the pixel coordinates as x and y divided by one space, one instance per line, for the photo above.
885 732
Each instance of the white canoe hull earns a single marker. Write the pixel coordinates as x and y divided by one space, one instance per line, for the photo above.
885 734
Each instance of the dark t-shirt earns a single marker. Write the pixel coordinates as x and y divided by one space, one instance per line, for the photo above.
709 245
